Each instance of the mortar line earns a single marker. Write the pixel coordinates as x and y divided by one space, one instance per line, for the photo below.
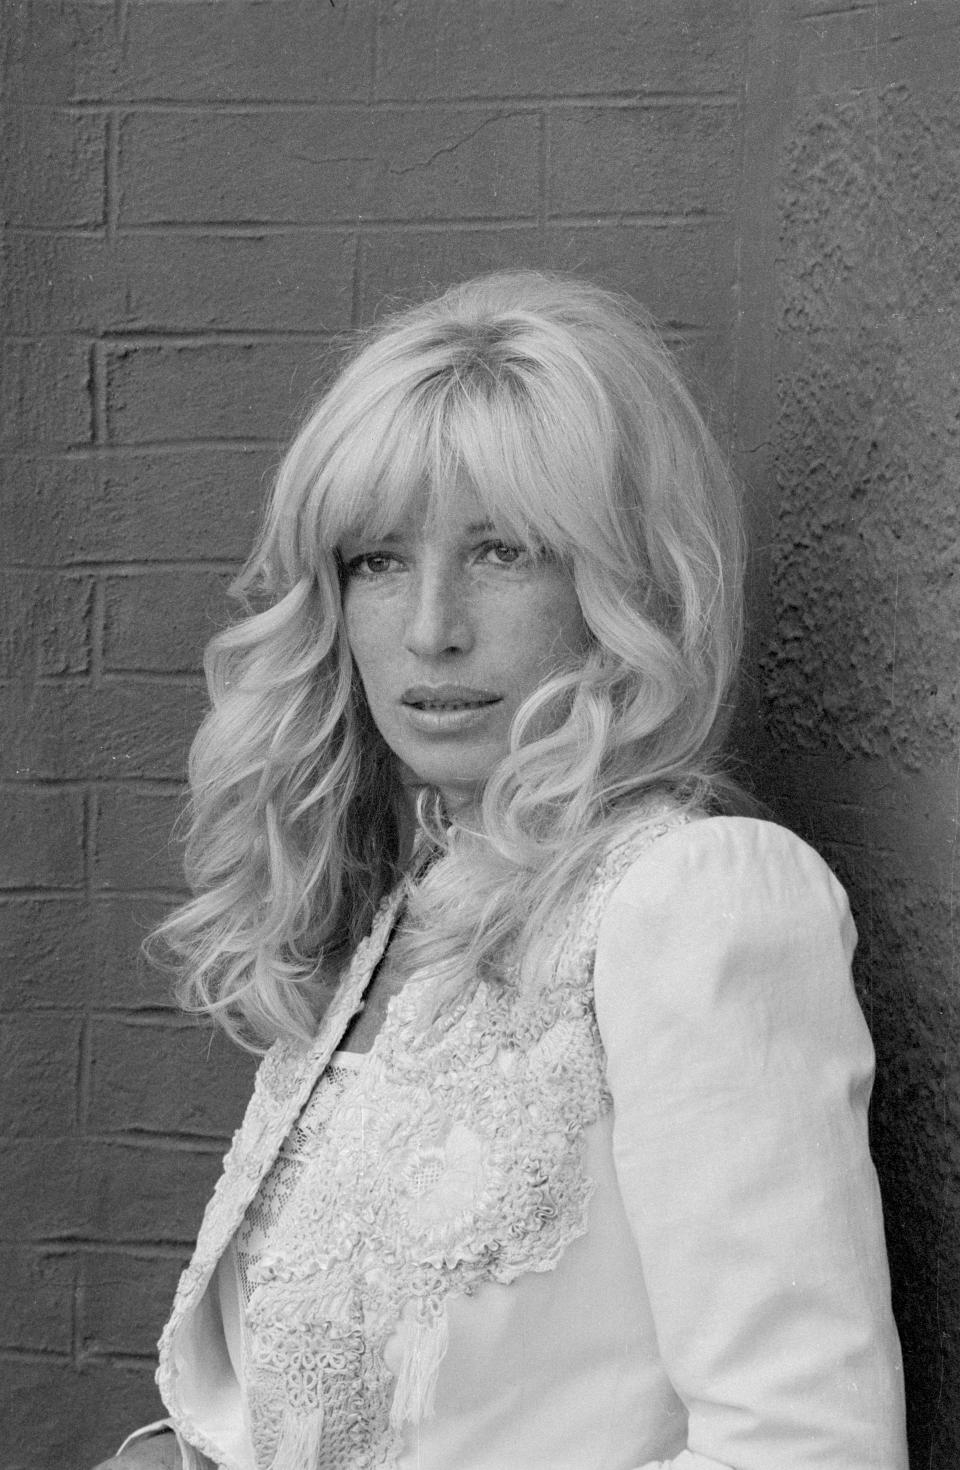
99 430
99 566
180 337
121 17
240 337
142 785
33 1355
374 78
112 176
469 102
59 232
146 1250
164 1143
97 630
83 1082
76 1297
146 1363
269 229
132 449
264 229
544 143
11 896
154 1018
91 814
356 284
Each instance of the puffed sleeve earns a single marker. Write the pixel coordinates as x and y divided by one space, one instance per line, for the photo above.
740 1068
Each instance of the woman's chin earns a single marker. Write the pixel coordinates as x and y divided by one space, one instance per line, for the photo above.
458 790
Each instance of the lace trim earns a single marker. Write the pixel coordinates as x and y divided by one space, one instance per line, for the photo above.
438 1163
284 1080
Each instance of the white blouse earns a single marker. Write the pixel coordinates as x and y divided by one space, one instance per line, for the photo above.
644 1233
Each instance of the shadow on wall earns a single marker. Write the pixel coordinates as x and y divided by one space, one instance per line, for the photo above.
859 681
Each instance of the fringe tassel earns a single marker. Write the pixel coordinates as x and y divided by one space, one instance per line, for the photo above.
298 1447
416 1387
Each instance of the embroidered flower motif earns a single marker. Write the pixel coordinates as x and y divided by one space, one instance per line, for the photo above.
302 1378
444 1182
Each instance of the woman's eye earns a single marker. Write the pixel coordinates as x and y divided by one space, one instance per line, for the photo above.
370 564
501 554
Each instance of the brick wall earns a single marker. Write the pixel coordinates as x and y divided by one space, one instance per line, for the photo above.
197 195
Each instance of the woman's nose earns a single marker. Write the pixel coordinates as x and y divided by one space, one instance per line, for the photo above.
437 619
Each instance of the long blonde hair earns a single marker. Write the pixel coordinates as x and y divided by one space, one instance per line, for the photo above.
559 405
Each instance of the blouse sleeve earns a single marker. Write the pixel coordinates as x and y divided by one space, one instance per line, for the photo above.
740 1068
190 1458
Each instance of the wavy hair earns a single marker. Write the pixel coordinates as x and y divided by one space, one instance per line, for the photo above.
562 409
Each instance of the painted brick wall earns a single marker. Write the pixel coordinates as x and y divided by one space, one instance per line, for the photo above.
199 194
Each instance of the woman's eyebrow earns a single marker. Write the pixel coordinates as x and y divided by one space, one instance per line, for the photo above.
361 536
388 538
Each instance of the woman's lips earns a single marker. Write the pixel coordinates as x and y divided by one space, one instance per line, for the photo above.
446 709
447 697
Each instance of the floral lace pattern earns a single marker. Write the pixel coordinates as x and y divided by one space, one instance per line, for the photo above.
446 1160
445 1164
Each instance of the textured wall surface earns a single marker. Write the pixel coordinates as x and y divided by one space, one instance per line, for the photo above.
861 674
197 195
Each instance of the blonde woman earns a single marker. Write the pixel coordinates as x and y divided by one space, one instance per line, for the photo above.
558 1156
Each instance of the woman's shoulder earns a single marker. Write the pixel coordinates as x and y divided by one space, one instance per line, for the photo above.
724 960
689 854
717 897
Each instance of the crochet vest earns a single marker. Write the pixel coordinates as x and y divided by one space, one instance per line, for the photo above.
453 1157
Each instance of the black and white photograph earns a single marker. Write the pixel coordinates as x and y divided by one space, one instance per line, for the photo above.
480 734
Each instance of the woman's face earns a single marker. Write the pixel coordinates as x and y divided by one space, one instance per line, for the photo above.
451 627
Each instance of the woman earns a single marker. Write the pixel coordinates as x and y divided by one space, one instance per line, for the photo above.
558 1159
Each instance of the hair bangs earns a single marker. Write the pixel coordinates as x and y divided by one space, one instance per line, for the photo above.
417 446
529 453
371 476
492 441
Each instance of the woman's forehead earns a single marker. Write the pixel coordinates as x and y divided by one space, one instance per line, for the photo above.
452 506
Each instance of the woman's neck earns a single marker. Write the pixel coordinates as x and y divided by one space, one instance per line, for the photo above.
455 805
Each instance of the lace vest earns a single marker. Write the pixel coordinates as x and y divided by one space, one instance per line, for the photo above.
452 1158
